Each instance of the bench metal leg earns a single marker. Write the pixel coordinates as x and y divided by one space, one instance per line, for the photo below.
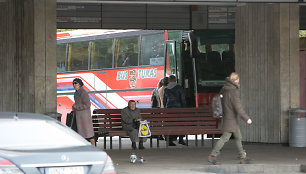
187 140
167 142
120 143
104 141
196 140
111 142
158 142
213 141
151 142
202 139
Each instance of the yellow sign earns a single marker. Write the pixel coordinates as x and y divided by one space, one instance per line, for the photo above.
144 130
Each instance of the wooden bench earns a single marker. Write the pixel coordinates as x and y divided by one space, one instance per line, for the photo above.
166 121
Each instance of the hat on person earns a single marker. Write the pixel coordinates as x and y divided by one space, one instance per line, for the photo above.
79 81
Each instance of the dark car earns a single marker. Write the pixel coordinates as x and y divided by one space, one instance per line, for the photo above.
39 144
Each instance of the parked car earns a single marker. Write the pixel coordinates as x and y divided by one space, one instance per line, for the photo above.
38 144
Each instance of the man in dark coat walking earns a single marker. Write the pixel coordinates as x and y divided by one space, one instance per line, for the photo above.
174 97
232 109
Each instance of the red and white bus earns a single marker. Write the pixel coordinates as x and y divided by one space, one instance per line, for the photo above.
200 60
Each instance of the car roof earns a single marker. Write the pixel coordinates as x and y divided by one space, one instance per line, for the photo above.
23 115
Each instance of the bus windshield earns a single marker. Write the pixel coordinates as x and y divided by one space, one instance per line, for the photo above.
215 58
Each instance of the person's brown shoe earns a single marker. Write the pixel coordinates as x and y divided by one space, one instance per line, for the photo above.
212 160
245 160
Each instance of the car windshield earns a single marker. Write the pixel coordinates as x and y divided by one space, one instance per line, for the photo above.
29 134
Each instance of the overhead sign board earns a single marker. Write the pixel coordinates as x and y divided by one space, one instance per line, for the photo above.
186 2
221 15
78 15
268 1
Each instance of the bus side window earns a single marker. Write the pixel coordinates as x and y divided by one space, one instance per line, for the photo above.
127 47
102 54
78 56
124 60
152 49
133 59
61 57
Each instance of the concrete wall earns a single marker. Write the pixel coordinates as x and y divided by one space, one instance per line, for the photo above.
27 55
267 57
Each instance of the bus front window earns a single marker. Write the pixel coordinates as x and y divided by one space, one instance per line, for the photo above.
214 62
210 71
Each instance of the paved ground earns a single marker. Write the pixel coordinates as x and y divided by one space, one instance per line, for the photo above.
266 158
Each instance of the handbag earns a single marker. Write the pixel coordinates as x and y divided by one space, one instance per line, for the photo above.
136 124
154 102
144 130
71 121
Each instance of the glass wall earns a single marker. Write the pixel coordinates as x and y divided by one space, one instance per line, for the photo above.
152 49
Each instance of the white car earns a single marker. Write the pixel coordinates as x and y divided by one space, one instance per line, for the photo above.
38 144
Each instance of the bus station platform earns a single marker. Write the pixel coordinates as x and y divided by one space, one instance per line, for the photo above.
266 158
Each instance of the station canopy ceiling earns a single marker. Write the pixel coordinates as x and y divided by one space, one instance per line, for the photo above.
183 2
155 14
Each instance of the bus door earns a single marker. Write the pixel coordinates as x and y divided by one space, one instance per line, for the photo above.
170 59
180 65
189 80
188 56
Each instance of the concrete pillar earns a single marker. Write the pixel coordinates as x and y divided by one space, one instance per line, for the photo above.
267 57
28 55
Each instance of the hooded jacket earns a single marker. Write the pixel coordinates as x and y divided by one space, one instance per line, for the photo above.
232 107
174 96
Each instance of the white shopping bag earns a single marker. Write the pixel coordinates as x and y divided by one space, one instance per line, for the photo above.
144 130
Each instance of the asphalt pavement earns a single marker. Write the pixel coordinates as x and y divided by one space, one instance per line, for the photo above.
266 158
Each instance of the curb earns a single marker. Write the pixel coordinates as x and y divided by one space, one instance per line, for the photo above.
255 168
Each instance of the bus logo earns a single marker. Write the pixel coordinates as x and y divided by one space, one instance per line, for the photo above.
133 79
133 75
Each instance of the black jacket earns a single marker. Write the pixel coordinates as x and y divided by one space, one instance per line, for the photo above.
174 96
